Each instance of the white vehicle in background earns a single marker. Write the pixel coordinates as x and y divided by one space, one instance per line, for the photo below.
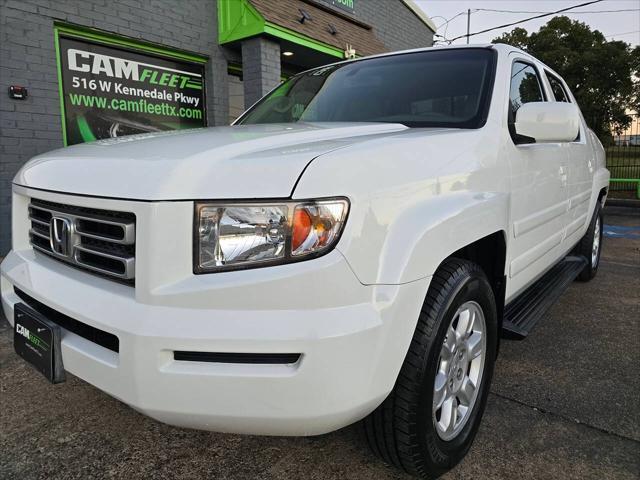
352 248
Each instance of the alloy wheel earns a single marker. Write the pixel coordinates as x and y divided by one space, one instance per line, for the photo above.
595 249
460 368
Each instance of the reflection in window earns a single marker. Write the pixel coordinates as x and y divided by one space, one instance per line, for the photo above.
525 86
447 88
557 88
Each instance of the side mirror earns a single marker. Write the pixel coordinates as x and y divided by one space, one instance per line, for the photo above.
548 121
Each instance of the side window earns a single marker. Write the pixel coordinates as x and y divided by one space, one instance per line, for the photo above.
525 87
559 93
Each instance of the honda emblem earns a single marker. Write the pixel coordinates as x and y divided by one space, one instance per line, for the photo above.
61 236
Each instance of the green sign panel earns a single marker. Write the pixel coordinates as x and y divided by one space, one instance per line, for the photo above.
111 91
347 5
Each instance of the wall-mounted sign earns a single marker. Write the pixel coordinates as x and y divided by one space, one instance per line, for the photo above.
17 92
113 90
347 5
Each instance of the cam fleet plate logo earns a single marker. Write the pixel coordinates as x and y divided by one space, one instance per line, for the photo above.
31 337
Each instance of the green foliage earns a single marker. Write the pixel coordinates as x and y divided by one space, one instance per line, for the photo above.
635 67
599 73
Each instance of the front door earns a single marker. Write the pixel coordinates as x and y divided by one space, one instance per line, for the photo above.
538 190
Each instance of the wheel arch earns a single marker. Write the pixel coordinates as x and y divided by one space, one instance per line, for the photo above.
490 253
603 194
422 236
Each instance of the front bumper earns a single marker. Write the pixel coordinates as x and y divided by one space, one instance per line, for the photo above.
352 339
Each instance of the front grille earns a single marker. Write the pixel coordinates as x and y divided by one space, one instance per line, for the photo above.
102 241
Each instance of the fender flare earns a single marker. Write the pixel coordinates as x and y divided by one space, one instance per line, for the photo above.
421 236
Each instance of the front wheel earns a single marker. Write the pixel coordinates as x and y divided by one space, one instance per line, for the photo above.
428 422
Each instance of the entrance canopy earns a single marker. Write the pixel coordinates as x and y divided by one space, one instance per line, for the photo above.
314 33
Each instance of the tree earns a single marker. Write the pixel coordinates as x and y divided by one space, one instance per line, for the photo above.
602 75
635 67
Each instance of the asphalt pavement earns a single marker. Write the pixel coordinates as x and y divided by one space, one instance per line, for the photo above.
564 404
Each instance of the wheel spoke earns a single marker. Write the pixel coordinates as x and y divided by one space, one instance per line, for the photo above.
449 344
440 391
465 394
465 321
462 411
449 414
474 345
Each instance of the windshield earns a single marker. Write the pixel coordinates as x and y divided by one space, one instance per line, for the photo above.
436 88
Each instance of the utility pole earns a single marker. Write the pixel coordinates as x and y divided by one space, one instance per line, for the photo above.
468 24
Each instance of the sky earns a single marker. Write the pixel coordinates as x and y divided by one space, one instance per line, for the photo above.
616 25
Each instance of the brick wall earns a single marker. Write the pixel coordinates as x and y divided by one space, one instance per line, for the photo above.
27 58
260 68
394 24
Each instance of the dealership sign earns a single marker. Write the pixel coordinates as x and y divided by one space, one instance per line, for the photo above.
347 5
111 91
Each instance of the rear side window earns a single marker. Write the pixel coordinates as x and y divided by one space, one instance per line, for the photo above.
559 93
525 87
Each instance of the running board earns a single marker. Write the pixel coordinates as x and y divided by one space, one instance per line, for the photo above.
523 312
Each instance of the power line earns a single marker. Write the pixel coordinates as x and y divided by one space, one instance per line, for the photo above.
572 13
447 21
525 20
623 33
444 35
437 16
474 10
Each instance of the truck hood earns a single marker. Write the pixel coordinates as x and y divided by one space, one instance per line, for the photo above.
245 161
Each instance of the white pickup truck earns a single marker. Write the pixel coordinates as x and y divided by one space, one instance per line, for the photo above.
352 248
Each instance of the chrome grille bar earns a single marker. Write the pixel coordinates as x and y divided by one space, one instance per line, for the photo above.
38 234
39 222
101 241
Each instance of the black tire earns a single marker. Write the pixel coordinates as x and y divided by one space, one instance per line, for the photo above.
401 430
585 247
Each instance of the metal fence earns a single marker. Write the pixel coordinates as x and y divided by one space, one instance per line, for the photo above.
623 160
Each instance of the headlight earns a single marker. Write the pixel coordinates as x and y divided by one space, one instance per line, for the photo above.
237 235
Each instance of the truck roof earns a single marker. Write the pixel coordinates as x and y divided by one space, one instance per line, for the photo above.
500 47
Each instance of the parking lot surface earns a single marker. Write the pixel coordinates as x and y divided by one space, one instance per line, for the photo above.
564 404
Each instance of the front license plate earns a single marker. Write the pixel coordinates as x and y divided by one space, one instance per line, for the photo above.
37 340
